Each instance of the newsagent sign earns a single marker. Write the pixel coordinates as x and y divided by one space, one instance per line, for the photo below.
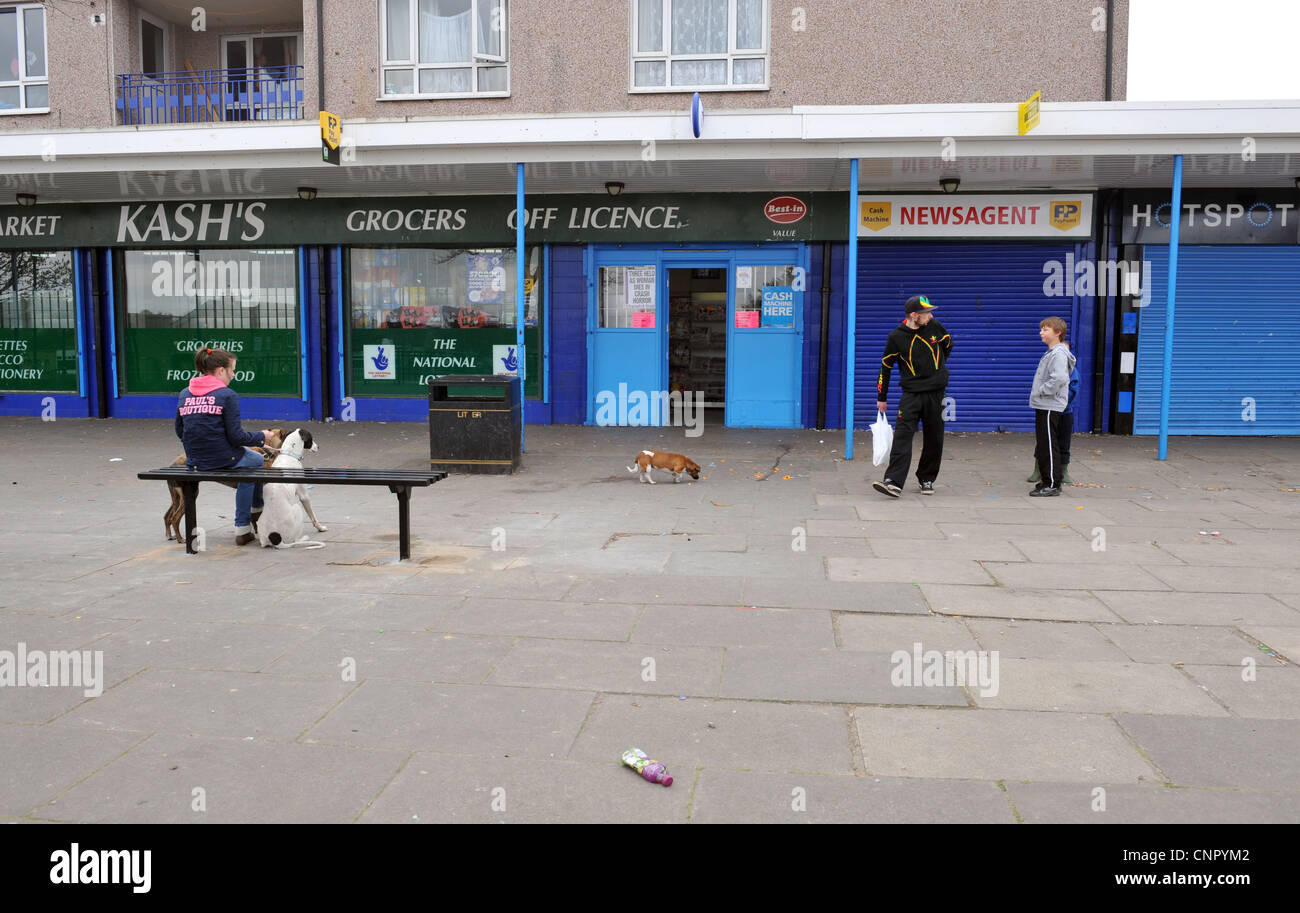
428 220
1213 217
974 216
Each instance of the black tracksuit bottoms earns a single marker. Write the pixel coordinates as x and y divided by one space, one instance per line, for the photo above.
927 408
1047 428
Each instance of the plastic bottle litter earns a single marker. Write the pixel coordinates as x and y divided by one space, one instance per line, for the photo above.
647 767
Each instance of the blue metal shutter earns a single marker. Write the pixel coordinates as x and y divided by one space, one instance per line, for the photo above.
990 297
1236 340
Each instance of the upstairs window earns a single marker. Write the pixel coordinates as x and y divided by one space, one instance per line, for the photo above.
438 48
690 45
24 76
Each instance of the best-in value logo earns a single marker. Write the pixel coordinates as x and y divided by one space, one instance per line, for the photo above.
785 210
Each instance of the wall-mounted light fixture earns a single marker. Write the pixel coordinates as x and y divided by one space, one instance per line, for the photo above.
306 193
26 199
949 185
614 188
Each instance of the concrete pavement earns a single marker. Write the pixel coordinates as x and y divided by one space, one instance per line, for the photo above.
756 631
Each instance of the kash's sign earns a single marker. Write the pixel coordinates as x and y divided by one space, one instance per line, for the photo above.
975 216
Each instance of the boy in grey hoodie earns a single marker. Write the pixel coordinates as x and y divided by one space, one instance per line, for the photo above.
1048 398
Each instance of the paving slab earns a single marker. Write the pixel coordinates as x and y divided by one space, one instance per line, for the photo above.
1048 640
1225 752
466 719
835 596
41 762
538 618
664 589
261 782
750 735
886 633
906 570
1054 533
748 797
1005 602
407 655
1272 693
799 565
1180 643
1096 687
66 632
607 667
1227 609
738 626
997 745
1215 580
990 547
1074 576
1100 549
226 704
811 546
1052 803
536 583
686 543
47 597
835 676
439 788
1223 551
158 644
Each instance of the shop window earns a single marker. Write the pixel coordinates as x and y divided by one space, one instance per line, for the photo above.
38 319
421 313
441 48
750 284
24 77
625 298
241 300
689 45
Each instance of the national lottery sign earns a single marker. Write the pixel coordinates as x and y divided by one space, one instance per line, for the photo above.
974 216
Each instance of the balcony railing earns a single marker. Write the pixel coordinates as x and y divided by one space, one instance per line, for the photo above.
209 96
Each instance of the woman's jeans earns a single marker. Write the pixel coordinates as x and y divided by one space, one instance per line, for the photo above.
248 496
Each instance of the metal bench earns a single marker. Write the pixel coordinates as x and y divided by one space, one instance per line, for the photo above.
399 482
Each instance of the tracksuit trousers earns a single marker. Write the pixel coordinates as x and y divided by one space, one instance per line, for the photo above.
927 408
1047 429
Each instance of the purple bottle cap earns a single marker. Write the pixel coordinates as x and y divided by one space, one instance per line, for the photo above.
668 781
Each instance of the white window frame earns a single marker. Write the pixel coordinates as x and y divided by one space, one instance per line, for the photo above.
478 59
732 54
162 27
22 82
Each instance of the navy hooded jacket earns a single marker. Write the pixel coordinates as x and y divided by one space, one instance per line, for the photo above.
207 422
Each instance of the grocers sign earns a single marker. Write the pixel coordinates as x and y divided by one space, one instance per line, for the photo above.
975 216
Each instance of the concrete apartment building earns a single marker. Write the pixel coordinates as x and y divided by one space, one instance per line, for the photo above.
174 152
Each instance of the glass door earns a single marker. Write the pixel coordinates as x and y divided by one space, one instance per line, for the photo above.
764 382
628 367
262 77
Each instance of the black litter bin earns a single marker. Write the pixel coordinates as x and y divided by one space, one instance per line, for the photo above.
475 423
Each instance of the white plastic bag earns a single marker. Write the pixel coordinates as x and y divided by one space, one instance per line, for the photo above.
882 440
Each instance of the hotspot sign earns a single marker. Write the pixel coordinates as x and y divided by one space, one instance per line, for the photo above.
974 216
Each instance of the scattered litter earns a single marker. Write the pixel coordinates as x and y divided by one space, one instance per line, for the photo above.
785 478
115 460
1202 533
681 697
61 499
1214 532
647 767
711 726
713 464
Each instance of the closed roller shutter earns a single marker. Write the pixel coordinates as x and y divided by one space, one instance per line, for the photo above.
990 298
1236 342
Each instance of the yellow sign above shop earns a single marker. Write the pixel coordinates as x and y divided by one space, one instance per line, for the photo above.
1029 110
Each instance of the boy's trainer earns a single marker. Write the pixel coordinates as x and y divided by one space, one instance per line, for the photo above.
887 488
927 488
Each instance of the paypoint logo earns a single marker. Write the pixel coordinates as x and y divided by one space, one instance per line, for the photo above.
876 214
1065 214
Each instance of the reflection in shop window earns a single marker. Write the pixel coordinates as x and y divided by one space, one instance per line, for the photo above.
626 297
36 290
211 289
418 288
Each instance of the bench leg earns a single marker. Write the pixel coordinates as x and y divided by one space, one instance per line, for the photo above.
190 492
403 493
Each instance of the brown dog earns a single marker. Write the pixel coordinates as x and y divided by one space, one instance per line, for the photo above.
176 512
657 459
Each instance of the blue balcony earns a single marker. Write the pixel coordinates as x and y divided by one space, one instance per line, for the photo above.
211 96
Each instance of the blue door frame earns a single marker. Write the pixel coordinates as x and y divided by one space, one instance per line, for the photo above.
617 348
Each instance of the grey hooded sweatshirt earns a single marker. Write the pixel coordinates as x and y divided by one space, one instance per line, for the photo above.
1051 389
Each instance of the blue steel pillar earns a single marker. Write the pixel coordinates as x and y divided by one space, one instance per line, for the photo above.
1175 220
520 266
852 307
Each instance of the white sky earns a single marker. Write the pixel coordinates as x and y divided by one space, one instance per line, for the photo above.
1209 50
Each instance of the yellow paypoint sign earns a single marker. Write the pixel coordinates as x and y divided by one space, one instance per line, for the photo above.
1029 112
331 136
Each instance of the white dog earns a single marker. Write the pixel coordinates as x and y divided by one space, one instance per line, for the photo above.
281 523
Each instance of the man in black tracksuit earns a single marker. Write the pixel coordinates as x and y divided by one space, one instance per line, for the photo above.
920 347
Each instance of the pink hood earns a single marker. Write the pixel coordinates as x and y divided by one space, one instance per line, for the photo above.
205 384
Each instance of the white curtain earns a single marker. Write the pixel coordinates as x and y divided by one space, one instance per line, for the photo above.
444 38
699 27
650 25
